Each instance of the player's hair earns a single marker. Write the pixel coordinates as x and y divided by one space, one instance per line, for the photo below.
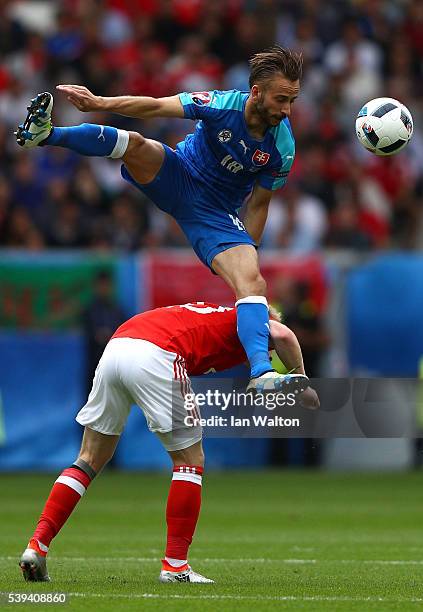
275 60
274 314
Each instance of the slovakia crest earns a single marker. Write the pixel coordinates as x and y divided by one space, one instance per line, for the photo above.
201 98
260 158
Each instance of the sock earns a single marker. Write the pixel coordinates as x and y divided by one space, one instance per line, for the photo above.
253 331
182 511
90 139
65 494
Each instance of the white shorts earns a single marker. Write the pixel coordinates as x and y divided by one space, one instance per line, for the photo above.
133 371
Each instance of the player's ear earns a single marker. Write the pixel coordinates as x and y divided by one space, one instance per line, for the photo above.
255 91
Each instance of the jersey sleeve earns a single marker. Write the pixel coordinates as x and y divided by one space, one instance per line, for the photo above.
198 104
276 176
210 104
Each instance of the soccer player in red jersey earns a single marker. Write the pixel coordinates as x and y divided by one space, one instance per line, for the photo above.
148 362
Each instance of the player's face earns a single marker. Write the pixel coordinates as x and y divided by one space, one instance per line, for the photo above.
273 99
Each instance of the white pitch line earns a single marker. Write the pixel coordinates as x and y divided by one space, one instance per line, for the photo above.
312 598
245 597
380 561
393 562
226 560
156 559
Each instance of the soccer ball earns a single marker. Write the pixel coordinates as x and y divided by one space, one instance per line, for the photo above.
384 126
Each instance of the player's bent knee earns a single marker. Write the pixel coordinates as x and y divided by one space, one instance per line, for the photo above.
136 142
193 455
143 157
189 459
199 458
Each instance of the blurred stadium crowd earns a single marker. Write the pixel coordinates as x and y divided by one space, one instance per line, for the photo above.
338 195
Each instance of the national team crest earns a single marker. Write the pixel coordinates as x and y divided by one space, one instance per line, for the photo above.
260 158
201 98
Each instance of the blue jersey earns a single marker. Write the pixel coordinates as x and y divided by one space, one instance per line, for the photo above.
206 180
222 153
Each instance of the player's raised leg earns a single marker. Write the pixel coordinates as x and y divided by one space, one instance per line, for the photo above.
182 511
142 156
96 450
239 267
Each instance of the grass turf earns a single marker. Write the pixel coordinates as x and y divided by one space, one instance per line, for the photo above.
272 540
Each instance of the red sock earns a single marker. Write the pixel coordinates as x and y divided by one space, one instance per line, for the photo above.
65 494
183 508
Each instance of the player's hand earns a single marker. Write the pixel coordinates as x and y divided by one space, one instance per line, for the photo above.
309 399
81 97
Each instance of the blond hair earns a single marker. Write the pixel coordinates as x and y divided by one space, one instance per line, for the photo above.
274 314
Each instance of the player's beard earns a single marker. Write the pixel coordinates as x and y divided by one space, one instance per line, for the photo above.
265 116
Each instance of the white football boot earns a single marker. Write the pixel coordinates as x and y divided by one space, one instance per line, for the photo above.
273 382
187 575
34 566
37 125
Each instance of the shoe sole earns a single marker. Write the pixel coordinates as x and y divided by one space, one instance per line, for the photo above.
295 384
41 102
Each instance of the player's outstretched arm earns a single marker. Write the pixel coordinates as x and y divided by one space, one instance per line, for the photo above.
140 107
256 212
286 344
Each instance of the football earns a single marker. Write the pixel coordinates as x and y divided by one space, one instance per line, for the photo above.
384 126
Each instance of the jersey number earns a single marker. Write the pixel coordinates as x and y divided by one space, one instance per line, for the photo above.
196 307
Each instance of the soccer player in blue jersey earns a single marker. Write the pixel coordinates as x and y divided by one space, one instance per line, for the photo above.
241 151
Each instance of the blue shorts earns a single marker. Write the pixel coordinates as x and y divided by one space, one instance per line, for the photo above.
209 227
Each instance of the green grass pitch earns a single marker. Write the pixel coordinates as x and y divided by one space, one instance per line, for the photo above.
272 540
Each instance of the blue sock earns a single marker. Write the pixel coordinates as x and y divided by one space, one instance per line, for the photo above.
88 139
253 331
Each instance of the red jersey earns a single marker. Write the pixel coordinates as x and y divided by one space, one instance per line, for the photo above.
204 334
